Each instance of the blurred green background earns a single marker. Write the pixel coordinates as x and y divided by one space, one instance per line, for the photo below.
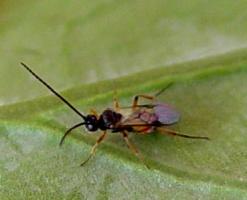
87 50
77 42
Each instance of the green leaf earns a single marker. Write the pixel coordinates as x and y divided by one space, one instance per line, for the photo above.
211 101
114 38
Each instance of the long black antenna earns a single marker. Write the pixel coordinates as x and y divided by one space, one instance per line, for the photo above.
53 91
69 131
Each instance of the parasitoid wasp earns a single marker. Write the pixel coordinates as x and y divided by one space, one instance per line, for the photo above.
140 118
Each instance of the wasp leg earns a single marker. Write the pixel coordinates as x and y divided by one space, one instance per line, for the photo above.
174 133
136 98
99 140
116 104
163 89
133 148
94 112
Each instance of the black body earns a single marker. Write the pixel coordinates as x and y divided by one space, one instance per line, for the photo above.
107 120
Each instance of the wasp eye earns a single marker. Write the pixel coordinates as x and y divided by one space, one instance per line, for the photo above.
91 123
89 126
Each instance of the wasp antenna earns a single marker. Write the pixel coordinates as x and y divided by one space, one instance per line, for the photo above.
53 91
69 131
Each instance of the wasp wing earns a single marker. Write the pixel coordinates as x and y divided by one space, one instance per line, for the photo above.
166 114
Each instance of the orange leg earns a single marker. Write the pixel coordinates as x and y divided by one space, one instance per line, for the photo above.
133 148
136 98
94 112
99 140
116 105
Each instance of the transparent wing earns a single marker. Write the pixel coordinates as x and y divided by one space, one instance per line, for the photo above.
166 114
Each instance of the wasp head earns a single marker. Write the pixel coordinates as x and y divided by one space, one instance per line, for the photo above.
91 123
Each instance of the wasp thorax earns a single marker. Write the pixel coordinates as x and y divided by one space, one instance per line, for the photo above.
91 123
110 118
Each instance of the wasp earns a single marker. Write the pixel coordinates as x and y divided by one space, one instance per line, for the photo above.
139 118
